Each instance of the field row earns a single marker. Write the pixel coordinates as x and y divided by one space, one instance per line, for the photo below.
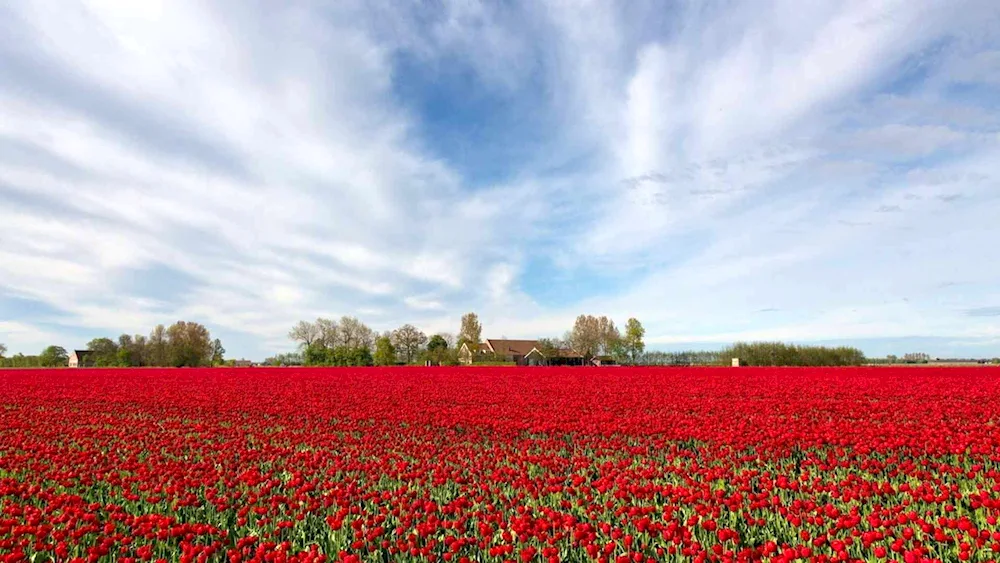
438 464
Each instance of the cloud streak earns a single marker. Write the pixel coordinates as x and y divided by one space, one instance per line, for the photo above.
249 165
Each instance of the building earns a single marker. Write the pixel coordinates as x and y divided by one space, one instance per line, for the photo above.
466 355
603 361
80 358
520 352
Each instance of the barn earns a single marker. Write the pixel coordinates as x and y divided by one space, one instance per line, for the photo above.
80 358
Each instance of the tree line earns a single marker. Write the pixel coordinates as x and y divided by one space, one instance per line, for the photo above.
51 356
182 344
781 354
350 342
760 354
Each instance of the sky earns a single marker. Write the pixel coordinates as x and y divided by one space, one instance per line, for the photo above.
738 170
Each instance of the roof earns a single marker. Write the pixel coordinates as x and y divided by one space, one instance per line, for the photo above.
567 353
520 347
524 347
79 353
483 347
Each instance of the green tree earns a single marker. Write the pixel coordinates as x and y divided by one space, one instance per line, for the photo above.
126 351
19 360
348 356
3 349
632 342
609 336
314 354
105 352
437 349
189 345
385 352
158 352
53 356
781 354
217 353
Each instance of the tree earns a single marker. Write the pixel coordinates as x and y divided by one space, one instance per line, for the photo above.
290 359
217 353
781 354
632 342
105 352
140 351
450 339
549 347
471 332
305 333
437 349
126 351
355 334
53 356
408 341
609 336
327 330
189 344
158 347
385 352
585 338
3 349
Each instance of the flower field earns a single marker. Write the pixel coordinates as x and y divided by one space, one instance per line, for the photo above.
500 464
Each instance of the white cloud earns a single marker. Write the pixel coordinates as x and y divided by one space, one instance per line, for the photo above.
25 338
249 167
423 303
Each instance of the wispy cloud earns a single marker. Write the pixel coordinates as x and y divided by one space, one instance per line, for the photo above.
984 312
250 165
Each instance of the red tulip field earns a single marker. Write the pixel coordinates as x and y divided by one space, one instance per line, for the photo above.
500 464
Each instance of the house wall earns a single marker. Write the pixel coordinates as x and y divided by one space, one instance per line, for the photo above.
464 355
534 359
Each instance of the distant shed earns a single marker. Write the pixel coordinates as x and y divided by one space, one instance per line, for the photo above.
80 358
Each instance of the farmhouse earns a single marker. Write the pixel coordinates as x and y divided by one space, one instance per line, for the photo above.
521 352
80 358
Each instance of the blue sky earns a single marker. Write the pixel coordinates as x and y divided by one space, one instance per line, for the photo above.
826 171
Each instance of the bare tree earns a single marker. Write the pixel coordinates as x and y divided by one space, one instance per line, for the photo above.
586 337
328 332
471 331
305 333
352 333
408 340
